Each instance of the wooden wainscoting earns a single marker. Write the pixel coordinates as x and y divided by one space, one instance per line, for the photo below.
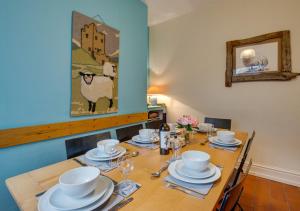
24 135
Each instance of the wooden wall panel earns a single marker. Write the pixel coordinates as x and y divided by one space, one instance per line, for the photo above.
24 135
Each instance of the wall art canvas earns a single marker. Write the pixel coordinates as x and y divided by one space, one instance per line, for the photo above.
95 66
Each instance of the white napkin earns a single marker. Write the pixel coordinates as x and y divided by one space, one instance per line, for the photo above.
127 192
102 165
198 188
147 146
232 149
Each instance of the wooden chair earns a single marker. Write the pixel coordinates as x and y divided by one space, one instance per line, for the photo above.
237 173
126 133
79 146
154 124
219 123
232 196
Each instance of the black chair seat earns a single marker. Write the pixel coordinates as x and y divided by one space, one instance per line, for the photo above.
155 124
79 146
219 123
126 133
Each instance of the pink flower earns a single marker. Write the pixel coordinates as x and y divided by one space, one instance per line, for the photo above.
187 120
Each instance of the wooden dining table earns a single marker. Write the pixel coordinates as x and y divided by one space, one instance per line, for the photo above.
153 195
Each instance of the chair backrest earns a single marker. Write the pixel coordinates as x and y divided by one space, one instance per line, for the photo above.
155 124
219 123
244 158
249 143
126 133
232 196
79 146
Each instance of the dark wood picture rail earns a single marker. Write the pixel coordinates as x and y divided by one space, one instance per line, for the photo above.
24 135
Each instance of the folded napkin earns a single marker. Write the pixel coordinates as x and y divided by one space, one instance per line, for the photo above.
202 189
127 192
112 201
147 146
232 149
102 165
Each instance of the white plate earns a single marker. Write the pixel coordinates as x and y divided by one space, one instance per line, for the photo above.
89 155
183 171
61 201
138 139
173 173
44 205
215 140
96 153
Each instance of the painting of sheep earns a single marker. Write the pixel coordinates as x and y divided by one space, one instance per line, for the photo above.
95 66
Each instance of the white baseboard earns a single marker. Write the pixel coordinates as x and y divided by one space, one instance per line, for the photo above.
276 174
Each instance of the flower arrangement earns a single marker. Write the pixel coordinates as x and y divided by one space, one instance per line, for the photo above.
188 122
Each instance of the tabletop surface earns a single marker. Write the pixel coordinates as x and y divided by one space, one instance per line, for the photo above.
153 195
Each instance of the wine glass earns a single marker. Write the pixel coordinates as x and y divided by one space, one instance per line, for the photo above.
125 165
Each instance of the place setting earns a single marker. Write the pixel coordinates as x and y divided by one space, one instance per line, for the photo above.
85 189
104 155
193 174
225 140
147 138
205 128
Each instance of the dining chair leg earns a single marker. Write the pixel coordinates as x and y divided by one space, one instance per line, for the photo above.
241 208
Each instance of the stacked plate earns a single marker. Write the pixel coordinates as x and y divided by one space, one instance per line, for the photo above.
225 139
143 140
100 155
195 168
57 198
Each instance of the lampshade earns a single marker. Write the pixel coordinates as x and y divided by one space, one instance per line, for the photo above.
155 89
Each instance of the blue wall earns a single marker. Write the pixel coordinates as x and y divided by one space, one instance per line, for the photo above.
35 65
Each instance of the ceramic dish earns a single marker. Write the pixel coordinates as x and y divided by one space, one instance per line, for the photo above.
61 201
44 205
186 172
89 155
173 173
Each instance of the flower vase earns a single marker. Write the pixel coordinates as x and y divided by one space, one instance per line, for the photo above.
187 136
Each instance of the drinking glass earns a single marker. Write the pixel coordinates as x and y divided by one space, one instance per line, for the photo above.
125 165
210 130
176 146
109 149
155 136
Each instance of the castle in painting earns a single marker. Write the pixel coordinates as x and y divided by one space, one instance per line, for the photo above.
93 42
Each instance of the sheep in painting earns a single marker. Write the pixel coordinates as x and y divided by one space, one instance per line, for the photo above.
109 70
94 87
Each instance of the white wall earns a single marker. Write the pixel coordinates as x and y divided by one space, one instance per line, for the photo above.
188 55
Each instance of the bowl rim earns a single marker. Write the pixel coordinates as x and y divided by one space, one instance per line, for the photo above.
76 169
227 132
197 151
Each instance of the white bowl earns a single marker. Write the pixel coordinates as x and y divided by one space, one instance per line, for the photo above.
79 182
106 143
196 160
226 136
146 133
